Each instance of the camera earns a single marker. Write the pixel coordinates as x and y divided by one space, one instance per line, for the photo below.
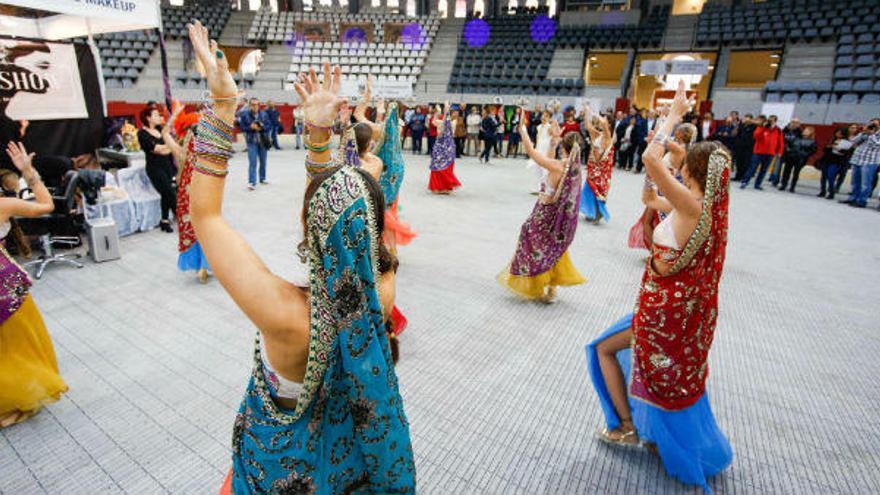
871 127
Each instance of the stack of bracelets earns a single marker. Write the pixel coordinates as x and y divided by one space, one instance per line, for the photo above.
213 145
312 167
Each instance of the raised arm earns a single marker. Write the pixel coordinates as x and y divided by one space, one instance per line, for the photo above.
654 202
269 301
14 207
587 113
675 192
176 149
541 159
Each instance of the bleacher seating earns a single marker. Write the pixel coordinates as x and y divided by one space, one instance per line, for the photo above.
512 62
769 23
393 61
212 14
647 34
852 23
385 59
269 27
124 55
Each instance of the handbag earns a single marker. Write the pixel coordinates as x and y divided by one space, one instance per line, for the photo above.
265 142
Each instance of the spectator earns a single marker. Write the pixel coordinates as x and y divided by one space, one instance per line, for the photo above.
488 128
514 137
255 125
743 140
790 133
852 132
534 121
836 153
865 161
797 151
404 129
570 125
160 165
625 143
769 145
417 130
706 129
652 120
459 132
618 127
437 115
298 126
640 137
499 131
724 132
473 131
275 120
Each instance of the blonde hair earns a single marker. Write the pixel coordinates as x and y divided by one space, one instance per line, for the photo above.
688 133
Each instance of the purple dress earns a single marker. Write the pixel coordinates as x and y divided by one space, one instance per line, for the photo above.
443 154
15 286
549 230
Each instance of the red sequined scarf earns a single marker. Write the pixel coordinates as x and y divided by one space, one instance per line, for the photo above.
674 322
186 234
599 172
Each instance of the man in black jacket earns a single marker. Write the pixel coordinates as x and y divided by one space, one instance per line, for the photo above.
743 139
619 130
488 127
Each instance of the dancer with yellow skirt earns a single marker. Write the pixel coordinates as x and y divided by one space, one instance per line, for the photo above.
29 376
541 262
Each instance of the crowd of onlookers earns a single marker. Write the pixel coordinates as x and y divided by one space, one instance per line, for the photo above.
760 147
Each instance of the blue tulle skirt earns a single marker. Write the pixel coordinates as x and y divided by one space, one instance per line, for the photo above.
689 441
591 205
193 259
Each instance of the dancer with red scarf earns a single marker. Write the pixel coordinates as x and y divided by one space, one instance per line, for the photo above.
667 340
190 257
600 164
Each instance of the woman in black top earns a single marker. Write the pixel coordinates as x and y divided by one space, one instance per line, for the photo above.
160 165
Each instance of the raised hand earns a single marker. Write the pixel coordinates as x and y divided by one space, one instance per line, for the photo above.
177 109
681 104
22 160
368 92
320 101
216 65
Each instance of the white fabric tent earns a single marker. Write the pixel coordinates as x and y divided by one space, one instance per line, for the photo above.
75 18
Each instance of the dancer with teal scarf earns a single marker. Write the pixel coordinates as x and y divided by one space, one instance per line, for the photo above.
389 150
322 413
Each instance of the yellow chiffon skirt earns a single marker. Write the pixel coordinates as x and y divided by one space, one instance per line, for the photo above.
29 376
561 273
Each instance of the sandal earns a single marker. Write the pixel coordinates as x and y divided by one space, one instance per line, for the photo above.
618 437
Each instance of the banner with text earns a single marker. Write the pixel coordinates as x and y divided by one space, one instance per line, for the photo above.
40 80
392 90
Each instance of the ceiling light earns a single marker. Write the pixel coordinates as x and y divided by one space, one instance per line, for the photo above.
774 55
594 58
774 64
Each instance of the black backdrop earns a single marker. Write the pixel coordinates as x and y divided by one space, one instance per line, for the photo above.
64 137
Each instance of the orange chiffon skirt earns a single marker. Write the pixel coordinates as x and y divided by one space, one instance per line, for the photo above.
397 233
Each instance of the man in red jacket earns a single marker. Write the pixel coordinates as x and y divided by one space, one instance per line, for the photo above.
769 144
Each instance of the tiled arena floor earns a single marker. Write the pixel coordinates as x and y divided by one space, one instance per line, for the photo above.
495 388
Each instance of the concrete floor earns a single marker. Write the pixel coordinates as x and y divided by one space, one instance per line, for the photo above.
495 388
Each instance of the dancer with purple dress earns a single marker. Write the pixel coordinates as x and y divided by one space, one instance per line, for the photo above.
443 179
541 262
